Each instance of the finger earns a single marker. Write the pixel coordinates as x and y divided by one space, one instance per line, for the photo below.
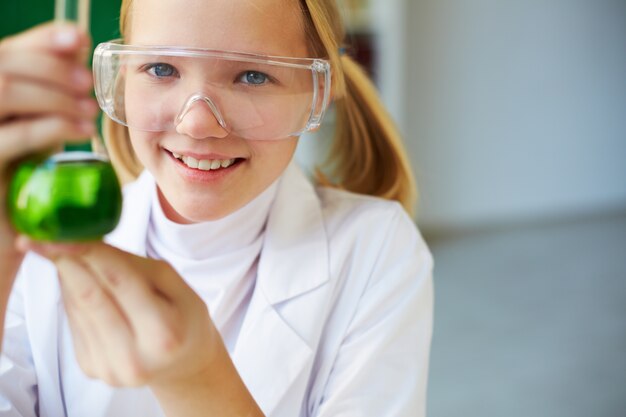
52 251
83 337
47 69
110 338
21 97
31 135
158 275
52 36
82 297
156 321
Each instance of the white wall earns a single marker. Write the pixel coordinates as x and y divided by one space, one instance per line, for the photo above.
516 109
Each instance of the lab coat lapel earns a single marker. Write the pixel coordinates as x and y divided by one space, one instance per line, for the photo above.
44 297
279 335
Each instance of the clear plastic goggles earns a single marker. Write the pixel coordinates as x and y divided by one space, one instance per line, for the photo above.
153 88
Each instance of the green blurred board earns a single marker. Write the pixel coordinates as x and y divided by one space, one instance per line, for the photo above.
18 15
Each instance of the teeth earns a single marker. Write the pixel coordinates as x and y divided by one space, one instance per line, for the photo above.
190 161
203 164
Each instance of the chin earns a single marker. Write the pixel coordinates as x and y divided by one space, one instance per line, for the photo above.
196 213
196 210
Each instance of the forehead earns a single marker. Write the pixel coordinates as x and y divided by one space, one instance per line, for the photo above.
271 27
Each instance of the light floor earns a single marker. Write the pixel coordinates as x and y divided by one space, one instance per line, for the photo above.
531 322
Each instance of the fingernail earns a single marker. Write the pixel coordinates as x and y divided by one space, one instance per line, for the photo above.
65 37
87 128
89 107
82 77
22 243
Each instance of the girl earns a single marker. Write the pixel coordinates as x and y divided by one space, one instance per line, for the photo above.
232 286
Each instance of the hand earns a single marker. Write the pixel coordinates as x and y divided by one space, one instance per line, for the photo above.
134 321
44 98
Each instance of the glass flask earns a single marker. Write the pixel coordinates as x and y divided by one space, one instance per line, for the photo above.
73 195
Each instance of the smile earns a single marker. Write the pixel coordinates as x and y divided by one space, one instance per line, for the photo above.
204 164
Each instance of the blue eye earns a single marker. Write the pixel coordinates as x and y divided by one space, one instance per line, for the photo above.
161 70
254 78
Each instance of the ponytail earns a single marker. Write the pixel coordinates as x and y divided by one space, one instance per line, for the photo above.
367 155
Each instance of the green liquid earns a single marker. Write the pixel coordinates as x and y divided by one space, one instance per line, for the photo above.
71 200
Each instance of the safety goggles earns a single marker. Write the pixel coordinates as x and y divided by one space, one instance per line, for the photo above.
153 88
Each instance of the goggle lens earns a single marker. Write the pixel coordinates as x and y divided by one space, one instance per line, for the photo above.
250 96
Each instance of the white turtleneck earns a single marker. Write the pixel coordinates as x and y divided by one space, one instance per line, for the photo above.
218 259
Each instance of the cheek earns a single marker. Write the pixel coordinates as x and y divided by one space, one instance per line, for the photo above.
133 105
269 162
272 157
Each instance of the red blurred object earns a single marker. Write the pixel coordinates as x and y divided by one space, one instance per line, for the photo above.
361 47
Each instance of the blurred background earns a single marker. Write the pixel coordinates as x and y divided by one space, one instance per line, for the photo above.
514 114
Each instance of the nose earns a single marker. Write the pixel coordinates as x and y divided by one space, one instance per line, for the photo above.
201 119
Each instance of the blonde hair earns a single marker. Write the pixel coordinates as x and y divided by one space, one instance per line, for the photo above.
367 155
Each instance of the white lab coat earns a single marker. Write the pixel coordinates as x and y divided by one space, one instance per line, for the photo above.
339 323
